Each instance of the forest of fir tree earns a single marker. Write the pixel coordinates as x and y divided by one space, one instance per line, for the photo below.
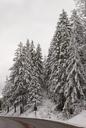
62 74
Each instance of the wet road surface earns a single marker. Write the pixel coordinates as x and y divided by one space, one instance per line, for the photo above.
15 122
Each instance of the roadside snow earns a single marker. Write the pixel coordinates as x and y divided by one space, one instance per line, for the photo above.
43 111
47 111
79 120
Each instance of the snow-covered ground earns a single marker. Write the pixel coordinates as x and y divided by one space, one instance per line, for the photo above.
47 111
44 111
79 120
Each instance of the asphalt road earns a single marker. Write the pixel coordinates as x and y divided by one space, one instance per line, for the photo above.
8 122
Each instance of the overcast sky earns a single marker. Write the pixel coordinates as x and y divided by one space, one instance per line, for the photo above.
22 19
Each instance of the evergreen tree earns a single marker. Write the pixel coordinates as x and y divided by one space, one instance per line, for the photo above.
6 92
59 56
17 76
26 73
77 27
27 70
39 65
45 73
81 7
47 68
75 71
35 87
65 32
14 68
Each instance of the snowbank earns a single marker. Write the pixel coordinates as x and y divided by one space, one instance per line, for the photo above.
79 120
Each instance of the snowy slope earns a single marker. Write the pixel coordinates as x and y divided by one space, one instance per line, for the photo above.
79 120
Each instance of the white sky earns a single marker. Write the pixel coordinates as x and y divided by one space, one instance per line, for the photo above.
22 19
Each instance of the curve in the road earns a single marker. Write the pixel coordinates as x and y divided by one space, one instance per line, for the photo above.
16 122
25 125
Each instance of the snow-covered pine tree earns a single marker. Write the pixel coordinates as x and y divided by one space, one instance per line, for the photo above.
23 77
45 73
53 65
17 76
39 65
47 68
81 7
81 10
14 68
14 71
34 88
28 69
58 59
82 53
76 78
65 31
27 63
6 92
